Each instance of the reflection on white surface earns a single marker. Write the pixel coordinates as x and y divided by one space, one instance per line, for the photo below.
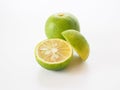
76 71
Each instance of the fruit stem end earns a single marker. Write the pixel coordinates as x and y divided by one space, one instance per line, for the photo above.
61 14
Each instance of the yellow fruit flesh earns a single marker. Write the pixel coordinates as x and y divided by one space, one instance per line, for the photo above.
54 50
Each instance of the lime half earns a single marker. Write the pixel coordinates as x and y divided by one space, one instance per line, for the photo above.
53 54
79 43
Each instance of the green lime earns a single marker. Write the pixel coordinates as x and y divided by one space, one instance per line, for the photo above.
79 43
60 22
53 54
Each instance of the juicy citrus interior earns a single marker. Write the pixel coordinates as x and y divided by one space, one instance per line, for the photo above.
54 50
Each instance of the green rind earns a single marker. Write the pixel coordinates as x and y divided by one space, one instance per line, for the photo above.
57 66
56 24
78 42
52 66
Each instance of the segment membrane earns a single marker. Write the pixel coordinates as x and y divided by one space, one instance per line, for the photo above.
54 50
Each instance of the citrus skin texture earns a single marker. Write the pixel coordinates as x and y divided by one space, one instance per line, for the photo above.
60 22
53 65
78 42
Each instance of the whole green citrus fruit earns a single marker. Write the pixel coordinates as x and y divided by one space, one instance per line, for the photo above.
57 23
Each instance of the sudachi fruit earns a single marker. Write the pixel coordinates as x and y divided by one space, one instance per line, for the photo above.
53 54
60 22
78 42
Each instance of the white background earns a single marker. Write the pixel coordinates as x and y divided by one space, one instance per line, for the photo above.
22 27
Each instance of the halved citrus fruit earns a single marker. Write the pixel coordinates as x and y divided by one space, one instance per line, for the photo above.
53 54
78 41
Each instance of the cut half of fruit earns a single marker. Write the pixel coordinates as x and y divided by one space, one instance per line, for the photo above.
53 54
78 42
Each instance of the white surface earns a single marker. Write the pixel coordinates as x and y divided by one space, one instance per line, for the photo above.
22 27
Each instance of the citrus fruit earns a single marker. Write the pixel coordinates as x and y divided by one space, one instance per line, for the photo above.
78 42
60 22
53 54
